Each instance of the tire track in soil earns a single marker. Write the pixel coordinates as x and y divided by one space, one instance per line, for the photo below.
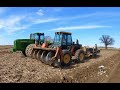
115 75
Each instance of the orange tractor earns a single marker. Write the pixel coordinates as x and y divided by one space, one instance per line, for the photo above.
61 51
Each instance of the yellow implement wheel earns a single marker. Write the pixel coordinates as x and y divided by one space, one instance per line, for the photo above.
81 56
66 58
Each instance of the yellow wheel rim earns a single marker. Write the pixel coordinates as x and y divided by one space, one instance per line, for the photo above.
81 56
66 58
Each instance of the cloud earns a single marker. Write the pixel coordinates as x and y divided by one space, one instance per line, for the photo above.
79 27
37 21
40 12
1 24
12 24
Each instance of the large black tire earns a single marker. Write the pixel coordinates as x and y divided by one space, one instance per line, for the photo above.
80 56
28 50
94 55
49 56
67 58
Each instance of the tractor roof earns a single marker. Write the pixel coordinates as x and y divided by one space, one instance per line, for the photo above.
62 32
39 33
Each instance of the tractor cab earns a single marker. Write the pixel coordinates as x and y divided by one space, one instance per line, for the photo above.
63 39
38 37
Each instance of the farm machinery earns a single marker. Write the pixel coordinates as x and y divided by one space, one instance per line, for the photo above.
25 45
61 51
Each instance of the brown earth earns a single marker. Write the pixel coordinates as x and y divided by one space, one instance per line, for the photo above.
15 68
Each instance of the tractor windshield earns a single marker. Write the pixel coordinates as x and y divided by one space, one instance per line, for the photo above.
36 37
42 38
57 39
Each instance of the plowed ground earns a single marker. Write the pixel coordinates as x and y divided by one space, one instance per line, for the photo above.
15 68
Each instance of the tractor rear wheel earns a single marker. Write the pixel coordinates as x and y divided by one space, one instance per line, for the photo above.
67 58
79 54
28 50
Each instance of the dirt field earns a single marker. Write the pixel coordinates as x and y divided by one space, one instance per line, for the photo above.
15 68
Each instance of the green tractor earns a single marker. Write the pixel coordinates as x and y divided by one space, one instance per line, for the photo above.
26 45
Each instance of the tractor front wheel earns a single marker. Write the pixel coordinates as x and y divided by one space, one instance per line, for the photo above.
67 58
28 50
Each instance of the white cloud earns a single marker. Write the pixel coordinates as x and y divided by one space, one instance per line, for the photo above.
12 24
40 12
1 24
79 27
37 21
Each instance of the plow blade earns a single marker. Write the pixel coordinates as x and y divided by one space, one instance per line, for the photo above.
45 55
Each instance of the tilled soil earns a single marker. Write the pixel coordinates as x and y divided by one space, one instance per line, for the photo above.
115 75
15 68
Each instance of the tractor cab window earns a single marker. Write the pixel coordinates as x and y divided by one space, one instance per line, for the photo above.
36 37
69 40
57 39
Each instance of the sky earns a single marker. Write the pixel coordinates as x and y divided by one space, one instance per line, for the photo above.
87 24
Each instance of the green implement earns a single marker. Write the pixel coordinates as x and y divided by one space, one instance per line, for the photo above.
21 44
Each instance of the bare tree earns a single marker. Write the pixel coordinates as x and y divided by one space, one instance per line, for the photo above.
107 40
